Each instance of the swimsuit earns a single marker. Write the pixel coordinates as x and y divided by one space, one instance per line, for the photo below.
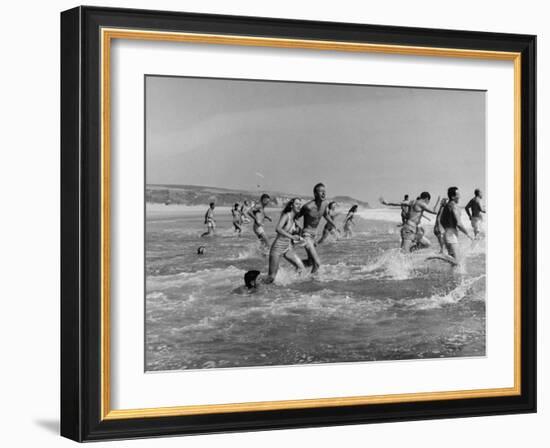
259 230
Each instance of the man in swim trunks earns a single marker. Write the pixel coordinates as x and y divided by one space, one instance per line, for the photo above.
410 234
474 210
236 214
257 213
451 223
404 204
312 212
438 228
209 221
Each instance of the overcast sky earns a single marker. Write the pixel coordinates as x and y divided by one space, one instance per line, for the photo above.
362 141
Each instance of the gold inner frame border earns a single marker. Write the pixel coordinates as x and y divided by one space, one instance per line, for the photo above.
107 35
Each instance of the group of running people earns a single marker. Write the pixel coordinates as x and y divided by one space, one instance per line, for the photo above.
290 233
447 224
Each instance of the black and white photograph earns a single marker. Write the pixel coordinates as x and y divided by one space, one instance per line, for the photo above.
297 223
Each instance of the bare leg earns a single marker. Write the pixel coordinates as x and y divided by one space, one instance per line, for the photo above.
312 255
274 259
293 258
324 236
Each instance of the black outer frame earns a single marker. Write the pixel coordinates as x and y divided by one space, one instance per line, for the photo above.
81 206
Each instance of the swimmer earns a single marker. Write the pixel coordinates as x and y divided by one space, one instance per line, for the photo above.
451 224
409 230
312 212
474 210
287 234
236 213
257 213
329 228
209 221
349 223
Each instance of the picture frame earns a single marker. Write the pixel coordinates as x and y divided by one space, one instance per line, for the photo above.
86 37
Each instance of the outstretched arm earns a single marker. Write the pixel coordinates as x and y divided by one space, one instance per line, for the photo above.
425 208
393 204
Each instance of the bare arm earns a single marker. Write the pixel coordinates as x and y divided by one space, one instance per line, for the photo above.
425 208
329 218
459 224
281 226
252 213
393 204
468 209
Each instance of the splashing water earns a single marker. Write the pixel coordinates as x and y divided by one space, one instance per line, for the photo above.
367 302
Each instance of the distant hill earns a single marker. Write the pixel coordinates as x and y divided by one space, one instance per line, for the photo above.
198 195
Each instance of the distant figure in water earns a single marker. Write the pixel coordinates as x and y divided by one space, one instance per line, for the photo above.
412 233
200 250
438 228
348 222
312 212
236 213
474 210
287 234
404 205
209 221
257 213
451 223
330 229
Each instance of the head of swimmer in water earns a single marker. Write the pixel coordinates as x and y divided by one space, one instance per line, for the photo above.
294 205
264 199
453 194
250 279
320 192
478 193
425 196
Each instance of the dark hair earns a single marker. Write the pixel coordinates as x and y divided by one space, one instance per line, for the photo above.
249 277
451 192
200 250
331 204
236 205
477 191
288 206
317 186
425 195
211 204
406 197
264 196
353 209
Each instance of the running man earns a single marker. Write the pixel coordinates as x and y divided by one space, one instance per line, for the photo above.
329 228
411 231
474 210
244 212
349 223
451 223
257 213
438 228
404 204
236 213
287 234
209 221
312 212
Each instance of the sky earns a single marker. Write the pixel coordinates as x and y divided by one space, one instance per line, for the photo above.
361 141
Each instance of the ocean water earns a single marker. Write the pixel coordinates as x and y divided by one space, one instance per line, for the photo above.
368 302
